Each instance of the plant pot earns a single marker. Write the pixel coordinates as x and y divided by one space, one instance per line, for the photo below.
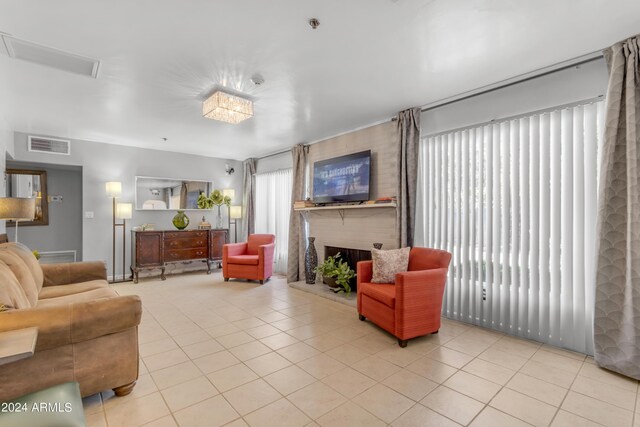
331 282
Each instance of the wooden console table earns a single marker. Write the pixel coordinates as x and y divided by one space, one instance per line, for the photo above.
156 248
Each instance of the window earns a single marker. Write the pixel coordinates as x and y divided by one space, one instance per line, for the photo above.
273 206
515 203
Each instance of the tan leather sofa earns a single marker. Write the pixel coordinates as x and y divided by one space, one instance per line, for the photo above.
86 332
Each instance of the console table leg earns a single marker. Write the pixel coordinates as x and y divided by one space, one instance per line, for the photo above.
208 267
162 276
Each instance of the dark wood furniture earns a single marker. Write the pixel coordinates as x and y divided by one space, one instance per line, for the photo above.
155 249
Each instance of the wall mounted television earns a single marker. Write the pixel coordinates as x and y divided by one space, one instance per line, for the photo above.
342 179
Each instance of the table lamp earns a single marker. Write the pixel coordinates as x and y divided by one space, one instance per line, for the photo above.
17 209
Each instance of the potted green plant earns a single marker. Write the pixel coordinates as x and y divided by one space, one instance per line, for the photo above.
336 273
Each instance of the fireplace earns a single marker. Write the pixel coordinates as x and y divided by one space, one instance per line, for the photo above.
350 256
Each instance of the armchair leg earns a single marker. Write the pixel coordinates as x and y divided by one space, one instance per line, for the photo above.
226 279
433 333
402 343
262 282
361 317
123 390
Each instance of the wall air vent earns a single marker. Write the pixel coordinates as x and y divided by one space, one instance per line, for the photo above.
49 145
38 54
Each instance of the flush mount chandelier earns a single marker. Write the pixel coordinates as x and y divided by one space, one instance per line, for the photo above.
227 108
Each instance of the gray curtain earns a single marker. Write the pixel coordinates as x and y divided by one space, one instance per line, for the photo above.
248 199
409 136
297 230
617 293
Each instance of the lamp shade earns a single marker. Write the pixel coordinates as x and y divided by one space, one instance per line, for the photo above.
17 208
236 212
113 188
229 192
124 210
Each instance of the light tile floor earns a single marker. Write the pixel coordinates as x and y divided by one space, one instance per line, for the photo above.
215 353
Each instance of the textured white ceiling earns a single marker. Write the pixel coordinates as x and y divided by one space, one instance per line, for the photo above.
368 60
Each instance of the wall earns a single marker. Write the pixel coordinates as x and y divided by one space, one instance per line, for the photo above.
6 147
361 227
64 231
274 162
574 84
108 162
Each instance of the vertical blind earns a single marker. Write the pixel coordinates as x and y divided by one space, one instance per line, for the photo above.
273 205
515 203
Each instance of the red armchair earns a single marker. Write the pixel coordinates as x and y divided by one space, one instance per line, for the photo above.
252 260
412 307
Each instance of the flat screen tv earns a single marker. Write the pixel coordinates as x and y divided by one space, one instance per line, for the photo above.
342 179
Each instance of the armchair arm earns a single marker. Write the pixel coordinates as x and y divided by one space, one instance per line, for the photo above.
364 270
231 249
419 301
73 272
266 254
77 322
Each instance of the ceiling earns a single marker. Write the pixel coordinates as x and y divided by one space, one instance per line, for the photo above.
366 61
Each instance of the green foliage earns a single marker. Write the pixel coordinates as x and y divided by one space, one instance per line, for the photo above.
204 202
216 198
3 307
335 267
36 254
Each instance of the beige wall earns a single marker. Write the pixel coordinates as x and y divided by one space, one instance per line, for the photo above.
361 227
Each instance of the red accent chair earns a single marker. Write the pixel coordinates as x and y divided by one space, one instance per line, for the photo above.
411 307
252 260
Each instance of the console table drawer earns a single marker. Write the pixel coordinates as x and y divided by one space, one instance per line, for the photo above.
170 235
186 243
184 254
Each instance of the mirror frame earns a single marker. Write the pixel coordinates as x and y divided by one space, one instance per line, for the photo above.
135 194
44 201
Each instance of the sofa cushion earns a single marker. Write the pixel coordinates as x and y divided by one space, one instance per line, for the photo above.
243 259
386 294
79 297
29 259
386 264
257 240
11 293
74 288
22 274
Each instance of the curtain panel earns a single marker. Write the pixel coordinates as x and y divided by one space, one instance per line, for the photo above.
248 198
409 142
273 205
515 203
297 226
617 296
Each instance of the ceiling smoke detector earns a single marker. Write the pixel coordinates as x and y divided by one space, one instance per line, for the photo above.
314 23
257 80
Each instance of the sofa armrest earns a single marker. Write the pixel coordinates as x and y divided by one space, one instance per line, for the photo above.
266 254
232 249
73 272
77 322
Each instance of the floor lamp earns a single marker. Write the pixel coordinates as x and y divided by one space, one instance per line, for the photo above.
235 213
124 212
17 209
231 193
114 191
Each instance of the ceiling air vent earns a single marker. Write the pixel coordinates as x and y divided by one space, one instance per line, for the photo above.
49 145
50 57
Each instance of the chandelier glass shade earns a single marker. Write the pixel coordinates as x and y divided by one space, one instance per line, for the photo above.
227 108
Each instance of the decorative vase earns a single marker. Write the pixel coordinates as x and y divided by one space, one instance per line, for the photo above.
219 219
310 262
181 220
377 245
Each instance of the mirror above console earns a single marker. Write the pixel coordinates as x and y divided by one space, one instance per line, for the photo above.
31 184
161 194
